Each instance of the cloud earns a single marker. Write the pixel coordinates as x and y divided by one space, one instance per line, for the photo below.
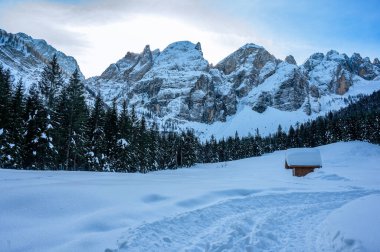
88 29
98 32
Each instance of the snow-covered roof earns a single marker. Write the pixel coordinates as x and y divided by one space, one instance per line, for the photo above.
303 157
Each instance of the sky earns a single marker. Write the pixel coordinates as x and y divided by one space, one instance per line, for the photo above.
98 33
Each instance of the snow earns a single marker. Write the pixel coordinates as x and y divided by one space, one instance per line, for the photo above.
252 204
303 156
122 142
246 121
354 226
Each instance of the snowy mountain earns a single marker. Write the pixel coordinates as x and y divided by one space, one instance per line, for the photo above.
249 89
26 57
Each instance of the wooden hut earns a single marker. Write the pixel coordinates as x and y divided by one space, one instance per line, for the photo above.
302 160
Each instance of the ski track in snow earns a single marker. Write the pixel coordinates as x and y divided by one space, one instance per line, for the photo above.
276 222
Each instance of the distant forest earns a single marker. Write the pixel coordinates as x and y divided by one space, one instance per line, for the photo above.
52 128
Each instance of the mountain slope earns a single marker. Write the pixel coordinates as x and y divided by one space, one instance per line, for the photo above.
26 57
249 89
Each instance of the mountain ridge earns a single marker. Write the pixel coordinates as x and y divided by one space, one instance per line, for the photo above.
26 57
178 88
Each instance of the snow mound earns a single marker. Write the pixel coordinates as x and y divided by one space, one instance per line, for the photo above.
353 227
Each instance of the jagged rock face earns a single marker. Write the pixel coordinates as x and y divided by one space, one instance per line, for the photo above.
291 93
376 62
363 67
343 82
334 72
329 74
26 57
176 82
287 90
247 67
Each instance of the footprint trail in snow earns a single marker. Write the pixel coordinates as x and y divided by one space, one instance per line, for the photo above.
276 222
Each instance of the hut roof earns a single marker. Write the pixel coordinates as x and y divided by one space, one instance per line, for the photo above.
303 157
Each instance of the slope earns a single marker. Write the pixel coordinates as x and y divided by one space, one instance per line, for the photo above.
26 57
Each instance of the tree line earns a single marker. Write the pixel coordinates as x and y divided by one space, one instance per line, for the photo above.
52 127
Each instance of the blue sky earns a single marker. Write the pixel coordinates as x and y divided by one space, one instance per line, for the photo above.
98 33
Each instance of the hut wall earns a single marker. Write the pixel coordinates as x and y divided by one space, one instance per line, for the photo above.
302 171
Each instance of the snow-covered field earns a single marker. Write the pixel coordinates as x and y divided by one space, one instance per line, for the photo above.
247 205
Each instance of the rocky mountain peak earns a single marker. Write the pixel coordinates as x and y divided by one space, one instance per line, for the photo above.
363 67
245 59
333 55
146 50
290 59
199 47
181 56
26 57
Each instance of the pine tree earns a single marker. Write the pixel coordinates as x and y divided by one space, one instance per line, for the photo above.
36 147
51 82
236 154
110 137
213 150
142 145
16 125
6 159
51 85
222 150
75 122
123 161
153 148
189 148
95 136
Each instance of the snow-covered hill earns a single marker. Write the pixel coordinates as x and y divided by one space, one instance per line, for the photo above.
26 57
246 205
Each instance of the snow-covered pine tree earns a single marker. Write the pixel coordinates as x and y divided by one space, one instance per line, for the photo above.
50 86
189 149
124 159
213 150
77 116
37 151
110 137
153 149
222 152
5 101
142 146
95 136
